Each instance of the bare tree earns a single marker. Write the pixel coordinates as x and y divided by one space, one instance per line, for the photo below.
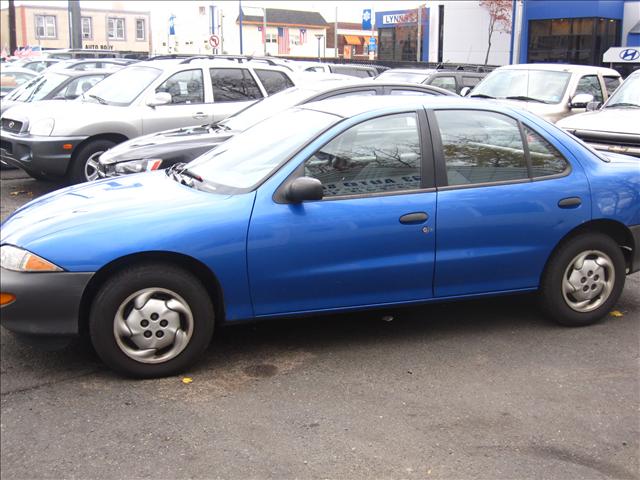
500 12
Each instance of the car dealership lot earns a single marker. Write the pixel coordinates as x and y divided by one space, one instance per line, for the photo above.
483 389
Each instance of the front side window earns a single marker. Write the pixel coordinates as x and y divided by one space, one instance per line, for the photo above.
46 26
116 28
185 87
481 147
546 160
590 84
470 81
273 81
87 30
140 29
448 83
233 85
611 83
376 156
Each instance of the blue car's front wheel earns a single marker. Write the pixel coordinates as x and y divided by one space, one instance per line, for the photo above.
151 320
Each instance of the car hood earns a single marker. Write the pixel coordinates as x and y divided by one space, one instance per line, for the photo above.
7 104
614 120
118 215
166 144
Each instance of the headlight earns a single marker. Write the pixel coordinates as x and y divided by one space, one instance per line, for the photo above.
42 127
19 260
137 166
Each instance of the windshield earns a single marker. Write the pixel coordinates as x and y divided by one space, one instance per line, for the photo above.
267 107
245 160
627 94
537 85
38 88
124 86
403 76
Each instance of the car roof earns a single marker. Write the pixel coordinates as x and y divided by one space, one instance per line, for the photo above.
351 106
322 86
560 67
176 63
79 73
425 71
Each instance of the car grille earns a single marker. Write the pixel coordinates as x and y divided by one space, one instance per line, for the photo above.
9 125
6 146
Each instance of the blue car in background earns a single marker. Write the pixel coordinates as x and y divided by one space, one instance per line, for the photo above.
331 206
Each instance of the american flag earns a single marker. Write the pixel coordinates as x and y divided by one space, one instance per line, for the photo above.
303 36
283 41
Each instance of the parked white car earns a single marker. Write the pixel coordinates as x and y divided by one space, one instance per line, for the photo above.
615 127
53 139
551 90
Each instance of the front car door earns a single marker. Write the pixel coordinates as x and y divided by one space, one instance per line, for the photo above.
233 90
507 194
188 105
368 241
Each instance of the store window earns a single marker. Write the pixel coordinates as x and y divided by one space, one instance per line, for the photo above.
87 28
46 26
398 43
580 41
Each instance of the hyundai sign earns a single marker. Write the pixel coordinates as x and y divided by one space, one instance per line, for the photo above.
622 55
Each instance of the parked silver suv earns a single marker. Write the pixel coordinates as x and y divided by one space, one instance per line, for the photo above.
52 139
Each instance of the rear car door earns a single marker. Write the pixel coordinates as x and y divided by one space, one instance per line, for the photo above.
507 194
233 90
367 241
188 103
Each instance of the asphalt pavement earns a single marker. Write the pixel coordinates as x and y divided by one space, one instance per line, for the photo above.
474 390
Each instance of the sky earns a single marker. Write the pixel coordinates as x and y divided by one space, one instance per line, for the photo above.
348 11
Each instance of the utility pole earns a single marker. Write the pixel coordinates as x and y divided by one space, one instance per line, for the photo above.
419 42
13 44
240 8
335 35
264 29
75 24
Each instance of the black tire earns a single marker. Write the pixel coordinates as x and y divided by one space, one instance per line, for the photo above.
77 170
551 290
121 286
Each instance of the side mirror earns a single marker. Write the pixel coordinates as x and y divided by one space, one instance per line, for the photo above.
304 188
593 106
581 100
465 91
160 98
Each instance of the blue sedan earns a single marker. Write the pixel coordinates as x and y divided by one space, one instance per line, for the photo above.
337 205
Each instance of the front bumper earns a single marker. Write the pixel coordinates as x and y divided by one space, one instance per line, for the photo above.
46 304
42 155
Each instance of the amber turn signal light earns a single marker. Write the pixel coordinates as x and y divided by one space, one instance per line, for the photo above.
6 298
67 146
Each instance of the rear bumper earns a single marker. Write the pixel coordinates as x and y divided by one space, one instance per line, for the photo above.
43 155
635 260
46 304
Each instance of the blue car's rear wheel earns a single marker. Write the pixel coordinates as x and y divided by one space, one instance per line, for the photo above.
151 320
583 279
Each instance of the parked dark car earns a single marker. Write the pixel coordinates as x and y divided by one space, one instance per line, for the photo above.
163 149
58 85
452 80
332 206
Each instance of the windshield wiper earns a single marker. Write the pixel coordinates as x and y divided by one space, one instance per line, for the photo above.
481 95
102 101
623 104
525 98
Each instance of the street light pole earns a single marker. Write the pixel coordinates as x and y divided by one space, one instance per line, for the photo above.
318 37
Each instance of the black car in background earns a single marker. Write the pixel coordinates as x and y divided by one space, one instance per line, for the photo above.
164 149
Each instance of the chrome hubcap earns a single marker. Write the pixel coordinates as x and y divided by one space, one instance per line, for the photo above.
91 167
153 325
588 281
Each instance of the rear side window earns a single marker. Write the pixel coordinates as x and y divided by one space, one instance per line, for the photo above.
185 87
233 85
481 147
611 83
590 84
545 159
448 83
274 81
376 156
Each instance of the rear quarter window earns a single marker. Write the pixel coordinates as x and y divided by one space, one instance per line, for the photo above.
274 81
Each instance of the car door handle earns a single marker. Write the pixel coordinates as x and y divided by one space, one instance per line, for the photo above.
413 218
570 202
200 115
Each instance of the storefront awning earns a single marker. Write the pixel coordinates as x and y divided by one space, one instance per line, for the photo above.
352 40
